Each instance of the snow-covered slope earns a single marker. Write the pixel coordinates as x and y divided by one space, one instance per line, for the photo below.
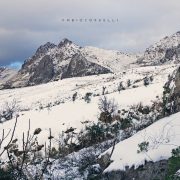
51 106
163 136
62 90
114 60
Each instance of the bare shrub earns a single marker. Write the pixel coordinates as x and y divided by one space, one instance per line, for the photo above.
8 110
21 159
107 109
87 97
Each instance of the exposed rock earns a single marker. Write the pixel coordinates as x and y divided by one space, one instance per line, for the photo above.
43 72
148 171
79 66
64 42
104 160
40 52
45 48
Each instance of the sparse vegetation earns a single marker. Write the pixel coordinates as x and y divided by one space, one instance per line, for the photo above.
120 87
107 109
74 96
146 81
21 159
143 147
103 90
128 83
174 164
8 110
87 97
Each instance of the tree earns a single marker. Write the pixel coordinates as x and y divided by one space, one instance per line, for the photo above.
107 108
87 97
146 81
74 96
21 158
151 78
103 90
128 83
173 164
8 110
120 87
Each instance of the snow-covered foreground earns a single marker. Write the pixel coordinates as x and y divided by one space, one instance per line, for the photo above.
62 91
51 106
163 136
70 114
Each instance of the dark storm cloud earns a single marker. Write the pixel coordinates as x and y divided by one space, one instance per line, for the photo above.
24 25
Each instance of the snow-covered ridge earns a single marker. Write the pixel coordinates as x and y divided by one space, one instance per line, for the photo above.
167 42
164 50
112 59
115 60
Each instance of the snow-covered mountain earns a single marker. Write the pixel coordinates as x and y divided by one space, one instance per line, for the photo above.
164 51
52 62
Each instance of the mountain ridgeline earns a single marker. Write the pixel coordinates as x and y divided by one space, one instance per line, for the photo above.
66 60
54 62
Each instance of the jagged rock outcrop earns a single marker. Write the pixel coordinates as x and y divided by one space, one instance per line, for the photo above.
43 72
80 66
165 51
41 51
148 171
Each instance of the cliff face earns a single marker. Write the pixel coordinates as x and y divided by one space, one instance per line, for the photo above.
43 72
80 66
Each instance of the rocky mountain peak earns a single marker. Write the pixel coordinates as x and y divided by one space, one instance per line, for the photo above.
64 42
45 48
80 66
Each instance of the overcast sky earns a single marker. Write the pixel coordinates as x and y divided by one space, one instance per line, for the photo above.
26 24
